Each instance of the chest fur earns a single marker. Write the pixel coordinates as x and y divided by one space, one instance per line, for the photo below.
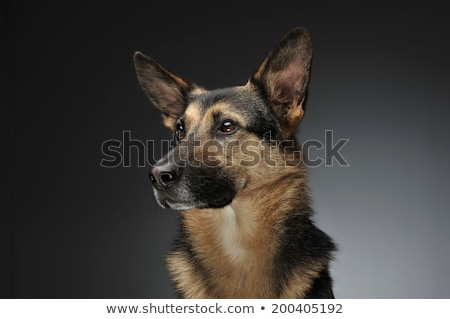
231 256
232 253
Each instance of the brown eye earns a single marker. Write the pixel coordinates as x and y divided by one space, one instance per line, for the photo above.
180 130
227 126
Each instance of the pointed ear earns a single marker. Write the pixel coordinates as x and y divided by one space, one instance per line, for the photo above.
284 76
167 91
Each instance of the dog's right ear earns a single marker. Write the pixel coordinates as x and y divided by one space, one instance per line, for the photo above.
167 91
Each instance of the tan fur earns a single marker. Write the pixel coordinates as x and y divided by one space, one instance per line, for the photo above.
248 277
245 272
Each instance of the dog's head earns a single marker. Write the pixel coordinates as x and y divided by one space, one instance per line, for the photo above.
231 140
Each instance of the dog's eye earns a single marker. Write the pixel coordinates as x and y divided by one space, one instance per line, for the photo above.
180 130
227 126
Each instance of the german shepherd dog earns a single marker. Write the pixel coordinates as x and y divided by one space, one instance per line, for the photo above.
237 178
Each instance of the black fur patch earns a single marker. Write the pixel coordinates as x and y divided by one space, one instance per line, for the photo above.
209 187
304 244
322 287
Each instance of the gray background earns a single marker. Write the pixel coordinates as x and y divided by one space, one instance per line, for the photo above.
381 78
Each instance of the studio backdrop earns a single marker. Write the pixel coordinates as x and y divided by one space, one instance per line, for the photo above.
86 226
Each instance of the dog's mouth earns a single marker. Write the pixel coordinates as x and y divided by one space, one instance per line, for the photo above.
181 204
176 205
192 187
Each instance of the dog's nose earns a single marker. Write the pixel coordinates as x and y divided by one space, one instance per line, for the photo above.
162 177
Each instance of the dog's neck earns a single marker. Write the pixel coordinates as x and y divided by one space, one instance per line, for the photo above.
232 246
237 245
241 228
234 229
230 231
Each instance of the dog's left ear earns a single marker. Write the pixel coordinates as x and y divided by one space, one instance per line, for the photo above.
284 77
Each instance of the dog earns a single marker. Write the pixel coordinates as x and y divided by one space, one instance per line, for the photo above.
237 178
